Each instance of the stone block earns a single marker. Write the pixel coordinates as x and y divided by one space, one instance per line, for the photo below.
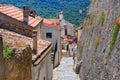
2 66
18 67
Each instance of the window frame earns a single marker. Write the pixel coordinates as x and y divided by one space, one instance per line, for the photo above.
49 35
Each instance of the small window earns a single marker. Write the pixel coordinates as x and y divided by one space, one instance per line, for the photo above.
48 35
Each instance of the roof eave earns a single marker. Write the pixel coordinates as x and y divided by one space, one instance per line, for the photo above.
14 21
42 55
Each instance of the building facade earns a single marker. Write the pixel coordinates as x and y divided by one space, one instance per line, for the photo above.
67 27
20 27
51 32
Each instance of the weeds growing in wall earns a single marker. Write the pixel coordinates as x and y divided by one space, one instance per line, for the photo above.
94 57
114 34
89 39
80 44
101 18
88 27
6 51
118 12
91 17
93 1
97 40
95 10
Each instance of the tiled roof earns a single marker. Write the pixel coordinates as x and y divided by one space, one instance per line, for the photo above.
17 14
53 23
16 40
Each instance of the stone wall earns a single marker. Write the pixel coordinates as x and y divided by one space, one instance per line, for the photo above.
99 49
2 66
18 67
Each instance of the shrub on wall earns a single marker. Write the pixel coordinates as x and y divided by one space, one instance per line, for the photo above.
91 17
97 39
101 18
88 27
93 1
118 12
94 57
114 34
81 46
6 51
95 10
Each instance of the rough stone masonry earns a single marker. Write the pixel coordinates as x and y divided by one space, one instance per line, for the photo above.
2 66
98 39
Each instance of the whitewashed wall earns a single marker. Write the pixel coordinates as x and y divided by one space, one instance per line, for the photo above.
44 70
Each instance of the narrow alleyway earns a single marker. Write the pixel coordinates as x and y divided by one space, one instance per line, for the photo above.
65 70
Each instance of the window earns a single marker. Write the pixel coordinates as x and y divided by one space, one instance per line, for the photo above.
49 35
65 30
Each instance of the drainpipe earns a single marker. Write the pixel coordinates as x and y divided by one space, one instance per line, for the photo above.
34 36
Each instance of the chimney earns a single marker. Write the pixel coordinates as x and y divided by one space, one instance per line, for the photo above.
61 15
25 14
34 36
32 13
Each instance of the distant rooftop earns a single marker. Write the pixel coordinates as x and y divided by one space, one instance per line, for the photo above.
53 23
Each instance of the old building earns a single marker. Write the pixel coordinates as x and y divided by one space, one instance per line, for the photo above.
19 28
51 32
42 66
67 34
16 56
67 27
14 16
55 30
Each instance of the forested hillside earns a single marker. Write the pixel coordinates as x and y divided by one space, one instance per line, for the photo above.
50 8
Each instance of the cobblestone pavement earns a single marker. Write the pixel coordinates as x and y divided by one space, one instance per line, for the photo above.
65 70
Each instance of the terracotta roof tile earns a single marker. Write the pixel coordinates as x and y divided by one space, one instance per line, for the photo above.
34 23
53 20
20 18
17 14
12 13
53 23
6 8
